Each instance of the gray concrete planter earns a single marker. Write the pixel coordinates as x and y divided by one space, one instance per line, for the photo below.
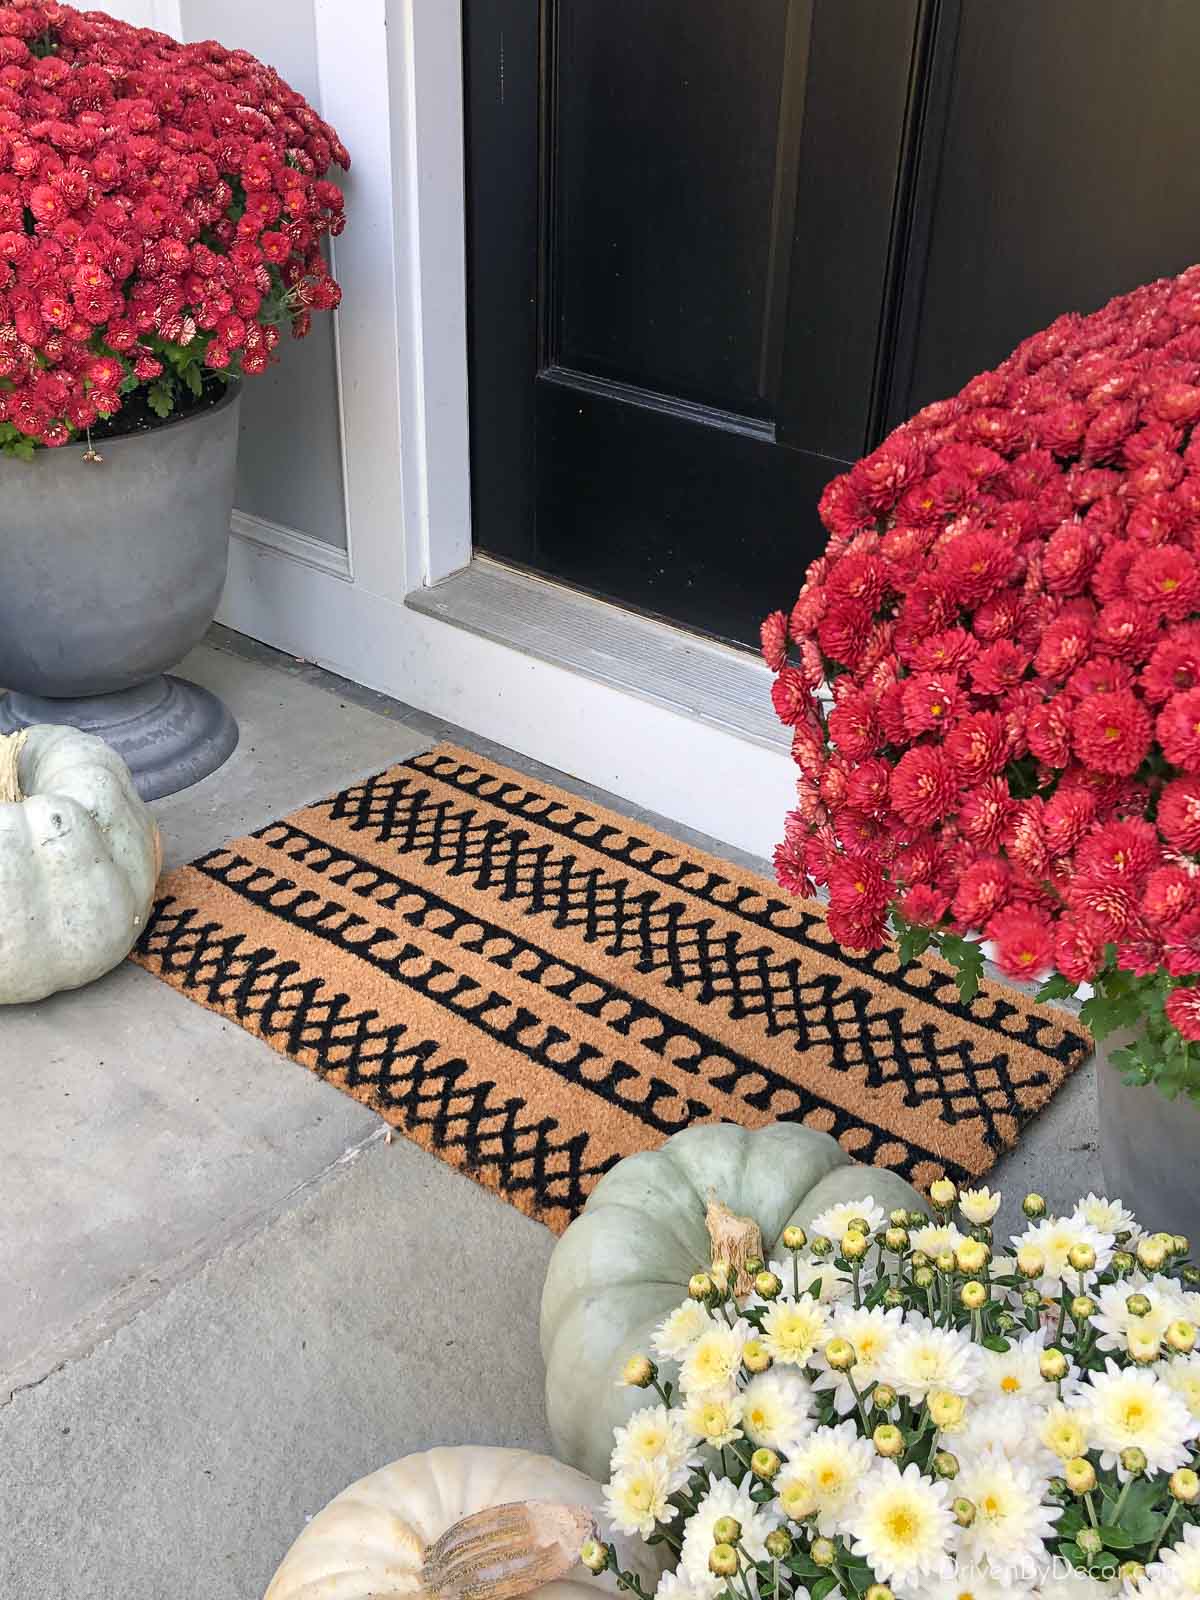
1149 1148
110 572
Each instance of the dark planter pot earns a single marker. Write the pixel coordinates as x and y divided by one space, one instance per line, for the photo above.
1149 1147
110 572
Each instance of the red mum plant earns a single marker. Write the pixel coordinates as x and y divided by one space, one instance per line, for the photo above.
161 212
993 678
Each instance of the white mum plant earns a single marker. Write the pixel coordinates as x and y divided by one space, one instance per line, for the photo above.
896 1409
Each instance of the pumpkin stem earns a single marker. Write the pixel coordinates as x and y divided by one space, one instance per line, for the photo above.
11 745
505 1551
735 1240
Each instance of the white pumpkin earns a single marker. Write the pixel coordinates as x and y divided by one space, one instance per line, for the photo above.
625 1261
371 1542
79 858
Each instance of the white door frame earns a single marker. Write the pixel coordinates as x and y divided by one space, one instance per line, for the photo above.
391 82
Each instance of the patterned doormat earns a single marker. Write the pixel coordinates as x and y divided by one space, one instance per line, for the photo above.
532 987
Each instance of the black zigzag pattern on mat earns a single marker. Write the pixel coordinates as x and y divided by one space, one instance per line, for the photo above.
757 1084
1055 1038
401 1074
741 978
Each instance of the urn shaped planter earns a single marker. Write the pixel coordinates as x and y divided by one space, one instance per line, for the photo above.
111 570
1149 1146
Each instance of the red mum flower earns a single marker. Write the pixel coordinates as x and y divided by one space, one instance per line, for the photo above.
1077 954
1065 645
843 633
1179 815
923 786
1071 552
774 637
790 871
1111 575
1178 730
983 889
882 477
1111 732
998 668
1167 581
790 696
858 888
1126 629
842 508
1181 946
974 566
1173 668
852 726
1140 950
1170 892
978 746
1183 1012
929 701
1024 943
924 905
1066 818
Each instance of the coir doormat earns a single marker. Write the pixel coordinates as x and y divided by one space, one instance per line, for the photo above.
532 987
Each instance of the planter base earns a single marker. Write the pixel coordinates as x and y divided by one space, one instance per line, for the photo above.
170 733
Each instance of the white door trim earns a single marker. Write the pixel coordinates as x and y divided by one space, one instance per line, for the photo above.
391 82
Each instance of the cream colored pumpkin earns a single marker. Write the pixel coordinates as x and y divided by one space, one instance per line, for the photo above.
370 1543
626 1259
79 857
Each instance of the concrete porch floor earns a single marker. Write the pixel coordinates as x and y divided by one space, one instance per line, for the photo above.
222 1295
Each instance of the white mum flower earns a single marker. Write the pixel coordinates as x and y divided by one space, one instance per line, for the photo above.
1014 1372
724 1499
936 1237
676 1334
1057 1584
871 1333
979 1206
1011 1523
1009 1427
715 1418
901 1524
967 1582
656 1434
1054 1237
1182 1376
1113 1318
825 1474
792 1330
712 1364
922 1357
834 1222
678 1586
636 1498
1133 1407
1177 1568
1109 1216
777 1410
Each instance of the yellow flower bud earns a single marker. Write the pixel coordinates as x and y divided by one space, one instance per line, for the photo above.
779 1544
943 1194
1031 1299
1133 1460
1033 1206
1052 1364
1090 1541
755 1356
944 1261
753 1264
794 1238
1144 1345
1067 1438
700 1286
944 1464
767 1285
917 1219
765 1464
821 1246
726 1530
973 1294
594 1556
1152 1254
1185 1485
840 1354
918 1259
1083 1307
1031 1263
639 1372
823 1552
1181 1244
1138 1305
855 1245
972 1255
898 1219
1181 1336
896 1239
879 1591
719 1272
1082 1256
1131 1573
964 1511
883 1396
923 1277
797 1499
1122 1262
888 1440
947 1410
723 1561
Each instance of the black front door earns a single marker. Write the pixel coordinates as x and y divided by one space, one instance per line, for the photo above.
717 247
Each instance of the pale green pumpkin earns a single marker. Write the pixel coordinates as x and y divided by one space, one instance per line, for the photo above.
79 856
625 1261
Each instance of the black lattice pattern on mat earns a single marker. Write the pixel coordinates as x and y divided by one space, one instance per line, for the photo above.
718 968
410 1079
